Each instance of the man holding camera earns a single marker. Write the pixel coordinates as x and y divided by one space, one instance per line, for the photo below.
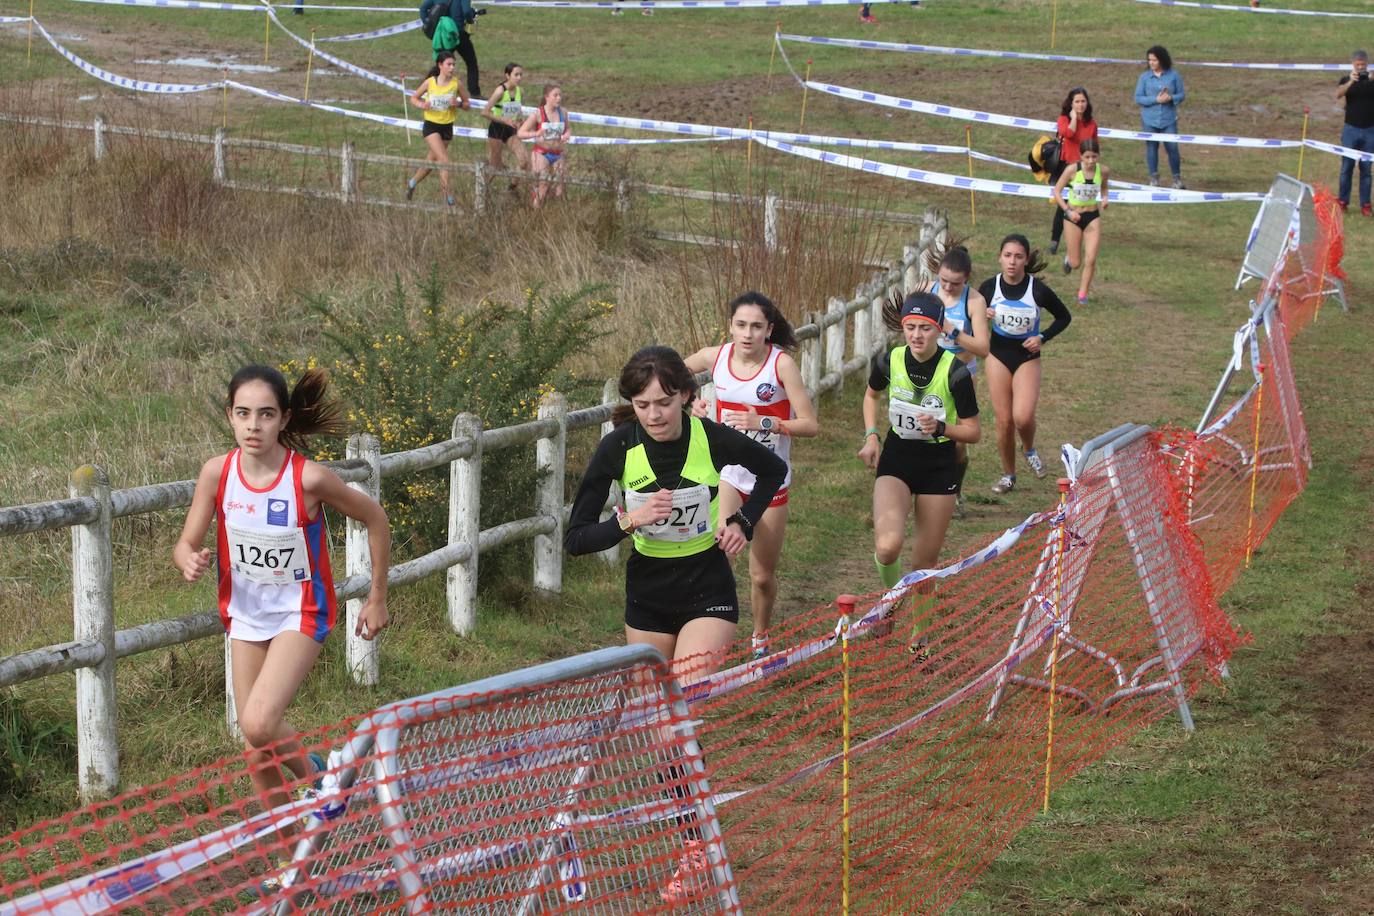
1357 91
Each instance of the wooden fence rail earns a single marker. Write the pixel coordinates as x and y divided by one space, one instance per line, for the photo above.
831 347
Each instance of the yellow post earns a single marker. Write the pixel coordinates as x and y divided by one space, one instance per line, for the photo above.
29 58
846 603
1064 484
1255 465
224 117
968 145
1302 150
1054 23
806 85
266 31
773 53
309 64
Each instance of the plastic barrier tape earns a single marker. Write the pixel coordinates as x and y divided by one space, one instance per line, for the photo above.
663 4
122 81
1255 9
968 114
242 7
377 33
1019 55
990 186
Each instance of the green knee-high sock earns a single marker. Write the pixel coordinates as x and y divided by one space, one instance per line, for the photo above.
890 573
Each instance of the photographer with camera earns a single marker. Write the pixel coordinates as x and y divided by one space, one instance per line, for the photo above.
1357 91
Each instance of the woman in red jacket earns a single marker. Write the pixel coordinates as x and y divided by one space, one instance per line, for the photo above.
1076 124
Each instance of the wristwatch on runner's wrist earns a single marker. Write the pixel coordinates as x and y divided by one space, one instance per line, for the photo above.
767 424
626 523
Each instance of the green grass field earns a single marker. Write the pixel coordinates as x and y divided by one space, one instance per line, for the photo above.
125 288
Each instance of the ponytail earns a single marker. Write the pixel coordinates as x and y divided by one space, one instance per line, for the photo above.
782 334
311 413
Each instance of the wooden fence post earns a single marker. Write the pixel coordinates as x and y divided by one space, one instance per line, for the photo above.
97 726
622 197
99 132
875 322
348 175
231 712
610 394
362 653
770 222
811 357
465 524
834 341
479 187
863 328
220 172
550 456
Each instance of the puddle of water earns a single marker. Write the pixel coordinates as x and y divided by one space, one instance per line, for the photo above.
206 64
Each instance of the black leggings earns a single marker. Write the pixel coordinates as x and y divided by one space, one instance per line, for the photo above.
468 53
1057 227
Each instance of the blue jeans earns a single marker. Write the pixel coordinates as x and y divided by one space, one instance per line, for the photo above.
1362 139
1170 149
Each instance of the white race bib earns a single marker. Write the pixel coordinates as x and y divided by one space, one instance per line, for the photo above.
553 130
689 517
269 557
441 102
1015 319
1085 193
511 111
903 415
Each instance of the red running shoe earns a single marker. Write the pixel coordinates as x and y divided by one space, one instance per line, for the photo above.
694 862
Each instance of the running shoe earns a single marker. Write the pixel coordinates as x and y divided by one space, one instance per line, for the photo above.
1343 204
683 885
1068 268
1082 299
410 188
1054 246
1004 484
1366 211
920 651
1036 465
271 884
1178 183
759 646
451 202
1154 181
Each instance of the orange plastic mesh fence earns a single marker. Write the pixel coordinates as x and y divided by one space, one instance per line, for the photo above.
597 783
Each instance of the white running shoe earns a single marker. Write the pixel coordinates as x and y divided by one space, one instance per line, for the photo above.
759 646
1004 484
1036 465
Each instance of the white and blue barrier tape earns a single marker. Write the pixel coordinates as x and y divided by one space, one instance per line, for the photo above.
1020 55
1343 151
1001 120
4 19
991 186
244 7
661 4
410 26
125 82
1255 9
337 61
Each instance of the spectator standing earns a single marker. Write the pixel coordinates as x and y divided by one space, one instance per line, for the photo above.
1159 92
1357 92
452 34
1075 125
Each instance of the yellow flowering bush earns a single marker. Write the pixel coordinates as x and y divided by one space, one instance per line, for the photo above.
406 374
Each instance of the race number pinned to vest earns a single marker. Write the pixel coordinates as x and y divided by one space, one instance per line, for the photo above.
269 557
1015 319
553 130
904 415
689 517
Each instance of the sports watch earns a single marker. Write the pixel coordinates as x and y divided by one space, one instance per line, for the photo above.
767 424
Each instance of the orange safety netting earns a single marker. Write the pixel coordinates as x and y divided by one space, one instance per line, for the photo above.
876 763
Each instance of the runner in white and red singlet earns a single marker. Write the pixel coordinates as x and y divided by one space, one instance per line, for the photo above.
276 595
759 391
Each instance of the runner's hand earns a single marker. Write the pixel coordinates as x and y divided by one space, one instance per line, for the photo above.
731 540
195 565
701 408
869 453
373 619
1032 343
655 511
742 420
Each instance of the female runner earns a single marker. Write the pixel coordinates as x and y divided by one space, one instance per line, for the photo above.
276 594
931 406
679 589
759 391
1015 299
966 322
1075 125
1087 202
548 127
505 113
438 95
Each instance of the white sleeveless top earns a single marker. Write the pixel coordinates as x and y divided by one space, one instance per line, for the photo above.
273 563
762 391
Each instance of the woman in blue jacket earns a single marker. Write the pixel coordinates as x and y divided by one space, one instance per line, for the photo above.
1159 92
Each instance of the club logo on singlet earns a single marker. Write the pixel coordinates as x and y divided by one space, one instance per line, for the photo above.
932 402
765 392
276 512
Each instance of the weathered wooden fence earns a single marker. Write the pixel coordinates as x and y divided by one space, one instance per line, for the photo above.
349 158
832 346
